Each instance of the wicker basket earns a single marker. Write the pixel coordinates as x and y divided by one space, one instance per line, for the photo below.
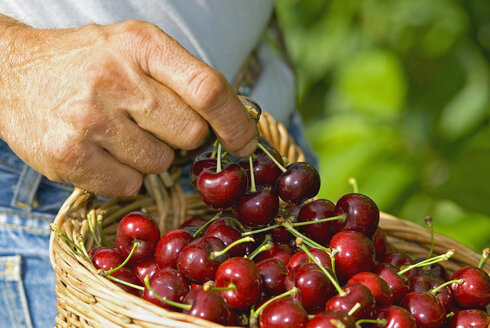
86 299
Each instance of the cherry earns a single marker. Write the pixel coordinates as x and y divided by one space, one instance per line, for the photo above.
434 270
264 169
395 316
194 222
399 285
207 305
228 231
196 260
126 276
469 318
272 274
397 259
105 258
222 188
332 319
382 292
137 227
278 251
355 253
257 208
315 210
169 247
298 183
354 293
283 313
475 291
380 243
361 212
301 257
426 309
426 283
145 268
169 284
314 287
281 235
201 162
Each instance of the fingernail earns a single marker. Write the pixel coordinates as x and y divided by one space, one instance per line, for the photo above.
249 148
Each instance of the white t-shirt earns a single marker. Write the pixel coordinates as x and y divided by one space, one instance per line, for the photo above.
220 32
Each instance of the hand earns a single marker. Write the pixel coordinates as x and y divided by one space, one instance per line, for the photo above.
97 106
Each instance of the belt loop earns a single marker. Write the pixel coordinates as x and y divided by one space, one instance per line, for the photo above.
26 188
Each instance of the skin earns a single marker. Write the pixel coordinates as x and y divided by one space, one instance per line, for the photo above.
99 105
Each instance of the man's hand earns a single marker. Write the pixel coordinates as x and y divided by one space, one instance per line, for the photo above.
98 106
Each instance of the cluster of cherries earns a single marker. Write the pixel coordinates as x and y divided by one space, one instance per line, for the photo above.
273 257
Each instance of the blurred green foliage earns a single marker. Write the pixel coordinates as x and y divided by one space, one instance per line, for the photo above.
396 94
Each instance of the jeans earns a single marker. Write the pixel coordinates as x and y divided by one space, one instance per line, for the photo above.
28 204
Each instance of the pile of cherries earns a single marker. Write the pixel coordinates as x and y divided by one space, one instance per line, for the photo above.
275 257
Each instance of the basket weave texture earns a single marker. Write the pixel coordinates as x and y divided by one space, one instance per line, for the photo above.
86 299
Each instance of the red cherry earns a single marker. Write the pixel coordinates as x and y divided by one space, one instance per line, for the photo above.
257 208
244 275
222 189
380 243
382 292
395 316
469 319
227 230
427 283
433 270
298 183
355 293
332 319
397 259
167 283
201 162
207 305
145 268
315 210
105 258
475 291
283 313
399 285
278 251
137 227
265 170
361 212
355 253
426 309
127 275
301 257
272 274
169 247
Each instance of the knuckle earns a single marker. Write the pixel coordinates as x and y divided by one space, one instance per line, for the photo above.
206 88
164 162
66 154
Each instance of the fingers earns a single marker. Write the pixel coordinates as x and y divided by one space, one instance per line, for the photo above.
201 87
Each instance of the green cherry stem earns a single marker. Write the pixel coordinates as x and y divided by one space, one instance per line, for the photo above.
333 218
436 259
185 307
122 282
333 255
135 245
334 281
311 243
91 221
82 247
353 183
215 147
218 160
105 242
211 286
381 322
208 222
441 286
356 307
283 169
252 232
428 222
484 258
264 246
252 175
450 315
255 314
216 254
76 249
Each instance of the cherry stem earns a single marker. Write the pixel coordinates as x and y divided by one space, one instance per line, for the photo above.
311 243
82 247
337 323
218 160
185 307
135 245
441 286
450 314
105 242
353 183
252 232
76 249
484 258
210 286
299 243
354 309
283 169
90 221
252 175
333 255
381 322
428 222
122 282
264 246
206 224
254 314
432 260
333 218
216 254
215 147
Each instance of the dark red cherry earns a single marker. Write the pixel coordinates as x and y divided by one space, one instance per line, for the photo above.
298 183
301 257
469 319
222 189
332 319
243 274
196 261
145 268
127 275
201 162
397 259
433 270
316 210
278 251
355 293
169 247
426 283
105 258
400 286
395 316
362 214
475 291
425 308
283 313
207 305
265 170
382 292
281 235
355 253
272 274
314 287
169 284
380 243
194 221
137 227
228 231
257 208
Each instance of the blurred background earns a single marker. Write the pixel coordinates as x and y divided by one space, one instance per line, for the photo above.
396 94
